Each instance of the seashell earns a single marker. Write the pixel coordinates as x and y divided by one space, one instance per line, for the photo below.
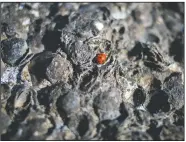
5 93
25 76
22 98
145 81
99 25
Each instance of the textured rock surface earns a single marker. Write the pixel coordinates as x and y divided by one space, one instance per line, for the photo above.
13 50
59 69
53 87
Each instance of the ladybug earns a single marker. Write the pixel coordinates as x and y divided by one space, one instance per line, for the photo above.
101 58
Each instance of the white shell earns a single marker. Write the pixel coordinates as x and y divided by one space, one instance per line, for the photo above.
99 25
26 21
20 100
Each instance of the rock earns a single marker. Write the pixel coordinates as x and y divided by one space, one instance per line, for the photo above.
48 96
178 117
118 13
172 132
126 132
60 69
83 125
143 17
134 136
9 30
107 104
38 65
67 134
70 102
174 87
81 41
173 21
13 50
53 87
5 122
36 126
10 76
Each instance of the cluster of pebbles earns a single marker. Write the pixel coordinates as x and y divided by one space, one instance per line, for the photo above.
52 88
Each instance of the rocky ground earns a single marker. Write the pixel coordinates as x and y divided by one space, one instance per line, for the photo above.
54 86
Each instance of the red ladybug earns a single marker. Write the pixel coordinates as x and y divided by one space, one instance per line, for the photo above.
101 58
